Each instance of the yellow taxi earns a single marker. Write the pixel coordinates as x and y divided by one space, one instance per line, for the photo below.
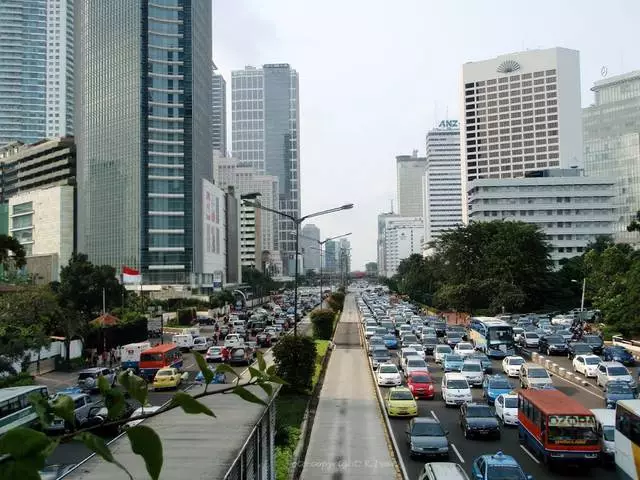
167 378
400 403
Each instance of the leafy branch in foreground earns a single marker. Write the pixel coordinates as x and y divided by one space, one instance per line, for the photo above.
23 451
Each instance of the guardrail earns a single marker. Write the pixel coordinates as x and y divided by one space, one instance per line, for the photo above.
556 369
632 345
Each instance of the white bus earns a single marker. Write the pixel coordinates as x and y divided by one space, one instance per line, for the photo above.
492 336
15 408
627 438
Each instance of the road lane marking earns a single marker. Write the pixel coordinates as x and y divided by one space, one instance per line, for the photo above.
580 386
433 414
455 450
531 455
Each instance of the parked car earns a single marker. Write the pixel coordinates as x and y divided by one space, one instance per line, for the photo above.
478 420
427 438
552 345
421 385
620 354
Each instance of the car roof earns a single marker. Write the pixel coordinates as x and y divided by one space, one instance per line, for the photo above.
454 376
426 420
588 355
500 458
612 364
401 388
513 357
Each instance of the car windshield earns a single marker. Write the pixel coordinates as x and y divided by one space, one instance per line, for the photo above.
538 373
617 371
452 358
457 384
376 339
443 349
505 472
500 334
619 388
427 429
85 375
388 369
471 367
592 360
516 361
609 434
401 395
164 373
379 354
555 340
430 339
465 346
416 363
500 383
617 351
389 337
592 339
214 350
454 335
581 347
573 436
511 402
531 335
420 378
479 411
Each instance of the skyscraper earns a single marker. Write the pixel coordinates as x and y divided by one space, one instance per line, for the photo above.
36 70
409 172
521 112
612 144
344 259
143 133
331 256
310 247
442 195
264 128
218 112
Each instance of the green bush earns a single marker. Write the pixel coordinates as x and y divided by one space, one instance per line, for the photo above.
322 322
186 316
295 359
19 380
336 301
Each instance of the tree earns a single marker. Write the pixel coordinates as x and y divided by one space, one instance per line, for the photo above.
336 301
295 360
12 253
322 321
634 226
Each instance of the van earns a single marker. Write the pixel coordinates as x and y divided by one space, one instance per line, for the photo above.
184 341
534 376
201 344
606 428
442 471
82 404
455 389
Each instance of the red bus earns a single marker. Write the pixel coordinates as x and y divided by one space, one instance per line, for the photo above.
160 356
556 428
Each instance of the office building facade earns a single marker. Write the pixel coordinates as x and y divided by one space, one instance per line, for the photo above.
233 251
409 172
521 112
612 144
330 258
571 209
310 247
401 237
218 112
251 237
265 130
442 195
36 70
381 252
143 136
344 260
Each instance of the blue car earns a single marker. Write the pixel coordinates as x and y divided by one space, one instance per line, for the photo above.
615 391
452 362
217 378
497 467
483 359
390 341
620 354
495 385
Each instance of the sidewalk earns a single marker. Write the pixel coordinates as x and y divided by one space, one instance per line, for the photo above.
348 439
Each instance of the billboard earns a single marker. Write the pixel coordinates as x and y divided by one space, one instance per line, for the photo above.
213 231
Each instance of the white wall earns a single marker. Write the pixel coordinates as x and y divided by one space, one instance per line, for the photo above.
213 229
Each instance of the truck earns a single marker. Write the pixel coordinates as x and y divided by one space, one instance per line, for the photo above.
130 354
184 341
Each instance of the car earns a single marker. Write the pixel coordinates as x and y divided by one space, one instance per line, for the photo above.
370 331
400 403
464 349
455 389
473 372
529 340
404 329
595 342
552 345
442 471
167 378
615 391
421 384
578 348
506 405
567 335
453 338
587 365
457 329
241 355
534 376
429 343
497 467
408 339
494 386
440 351
517 334
373 341
54 472
390 341
415 364
100 423
452 362
511 365
484 360
214 354
616 353
88 378
82 406
427 438
380 355
477 419
418 348
388 375
407 352
613 372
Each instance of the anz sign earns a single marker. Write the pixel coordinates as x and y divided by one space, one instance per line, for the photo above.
449 124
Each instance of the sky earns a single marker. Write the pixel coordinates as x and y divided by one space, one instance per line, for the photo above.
375 76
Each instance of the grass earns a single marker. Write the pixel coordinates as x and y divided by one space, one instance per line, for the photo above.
321 352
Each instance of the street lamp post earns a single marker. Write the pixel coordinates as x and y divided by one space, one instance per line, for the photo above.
297 222
584 286
321 243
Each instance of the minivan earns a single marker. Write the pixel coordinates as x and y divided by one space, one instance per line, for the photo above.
534 376
605 429
442 471
455 389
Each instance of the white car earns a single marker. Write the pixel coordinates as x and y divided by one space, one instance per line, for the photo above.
587 365
140 411
389 376
415 364
613 372
511 365
370 331
506 406
440 351
418 348
473 372
455 389
464 349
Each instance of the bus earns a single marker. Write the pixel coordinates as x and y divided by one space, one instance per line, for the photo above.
492 336
160 356
627 438
557 429
15 408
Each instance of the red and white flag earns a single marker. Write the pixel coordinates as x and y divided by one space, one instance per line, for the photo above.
130 275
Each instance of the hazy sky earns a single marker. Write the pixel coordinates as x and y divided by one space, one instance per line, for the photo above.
376 75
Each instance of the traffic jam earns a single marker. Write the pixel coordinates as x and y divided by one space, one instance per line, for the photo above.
470 400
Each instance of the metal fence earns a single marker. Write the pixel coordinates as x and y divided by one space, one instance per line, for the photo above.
256 459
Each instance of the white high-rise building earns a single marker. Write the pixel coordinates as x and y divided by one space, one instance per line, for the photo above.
442 194
399 238
409 172
521 112
310 247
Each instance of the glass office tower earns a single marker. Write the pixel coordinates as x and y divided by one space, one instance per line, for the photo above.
143 133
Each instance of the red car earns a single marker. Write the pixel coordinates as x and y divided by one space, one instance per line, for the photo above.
421 385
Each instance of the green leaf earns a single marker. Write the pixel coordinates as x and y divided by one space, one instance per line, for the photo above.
21 442
271 370
99 447
248 396
224 368
115 402
204 368
103 384
42 408
255 373
262 365
267 387
64 408
135 385
190 404
277 379
146 443
19 469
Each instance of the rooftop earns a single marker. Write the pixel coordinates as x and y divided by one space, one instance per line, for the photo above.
555 402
